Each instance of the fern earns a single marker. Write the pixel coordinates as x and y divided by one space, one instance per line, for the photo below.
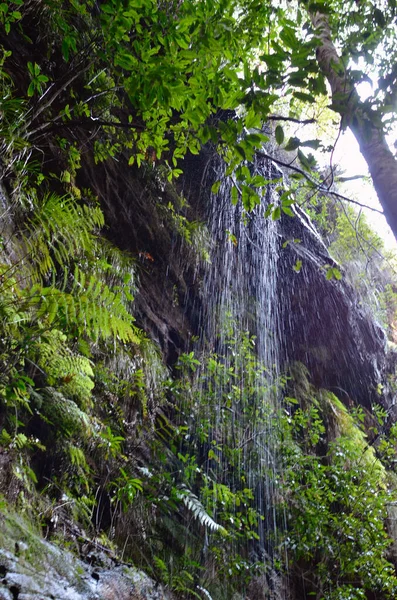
59 242
162 569
59 230
180 581
93 309
194 505
77 458
71 372
12 311
65 414
117 268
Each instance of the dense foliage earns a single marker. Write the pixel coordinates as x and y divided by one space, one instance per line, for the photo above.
331 491
231 477
160 75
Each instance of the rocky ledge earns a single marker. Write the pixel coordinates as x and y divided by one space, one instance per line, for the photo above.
31 568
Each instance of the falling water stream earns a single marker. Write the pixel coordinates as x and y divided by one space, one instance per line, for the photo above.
242 282
241 310
266 304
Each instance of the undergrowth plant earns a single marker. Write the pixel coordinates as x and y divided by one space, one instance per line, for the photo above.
334 496
329 488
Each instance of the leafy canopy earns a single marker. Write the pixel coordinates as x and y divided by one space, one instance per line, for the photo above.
155 80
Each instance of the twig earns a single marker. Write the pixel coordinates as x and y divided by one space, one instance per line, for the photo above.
291 119
86 124
318 186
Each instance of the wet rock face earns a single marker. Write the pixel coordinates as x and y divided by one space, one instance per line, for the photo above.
33 569
135 206
323 322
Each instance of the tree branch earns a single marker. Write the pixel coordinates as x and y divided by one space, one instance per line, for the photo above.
318 186
291 119
52 99
89 123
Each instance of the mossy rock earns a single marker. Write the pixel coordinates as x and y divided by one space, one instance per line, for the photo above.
34 569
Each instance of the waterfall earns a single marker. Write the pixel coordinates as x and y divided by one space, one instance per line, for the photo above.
238 392
265 302
242 283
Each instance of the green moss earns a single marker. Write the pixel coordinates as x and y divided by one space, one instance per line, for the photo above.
354 437
16 529
21 537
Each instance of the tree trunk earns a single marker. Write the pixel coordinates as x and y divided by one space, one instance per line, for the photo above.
381 162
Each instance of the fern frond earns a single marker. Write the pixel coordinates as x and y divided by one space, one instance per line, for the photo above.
59 231
161 568
117 268
100 314
71 372
59 241
77 457
194 505
64 414
11 309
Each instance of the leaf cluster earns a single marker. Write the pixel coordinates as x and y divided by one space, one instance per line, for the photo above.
336 505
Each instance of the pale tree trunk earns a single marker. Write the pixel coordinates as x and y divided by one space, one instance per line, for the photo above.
381 162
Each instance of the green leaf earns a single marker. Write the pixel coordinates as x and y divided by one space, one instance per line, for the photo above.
249 198
276 214
304 97
260 181
66 177
292 144
329 274
289 38
232 237
126 61
279 133
255 139
182 41
290 400
288 211
332 273
234 195
240 150
305 162
65 50
107 8
268 210
297 266
253 119
215 187
296 176
315 144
